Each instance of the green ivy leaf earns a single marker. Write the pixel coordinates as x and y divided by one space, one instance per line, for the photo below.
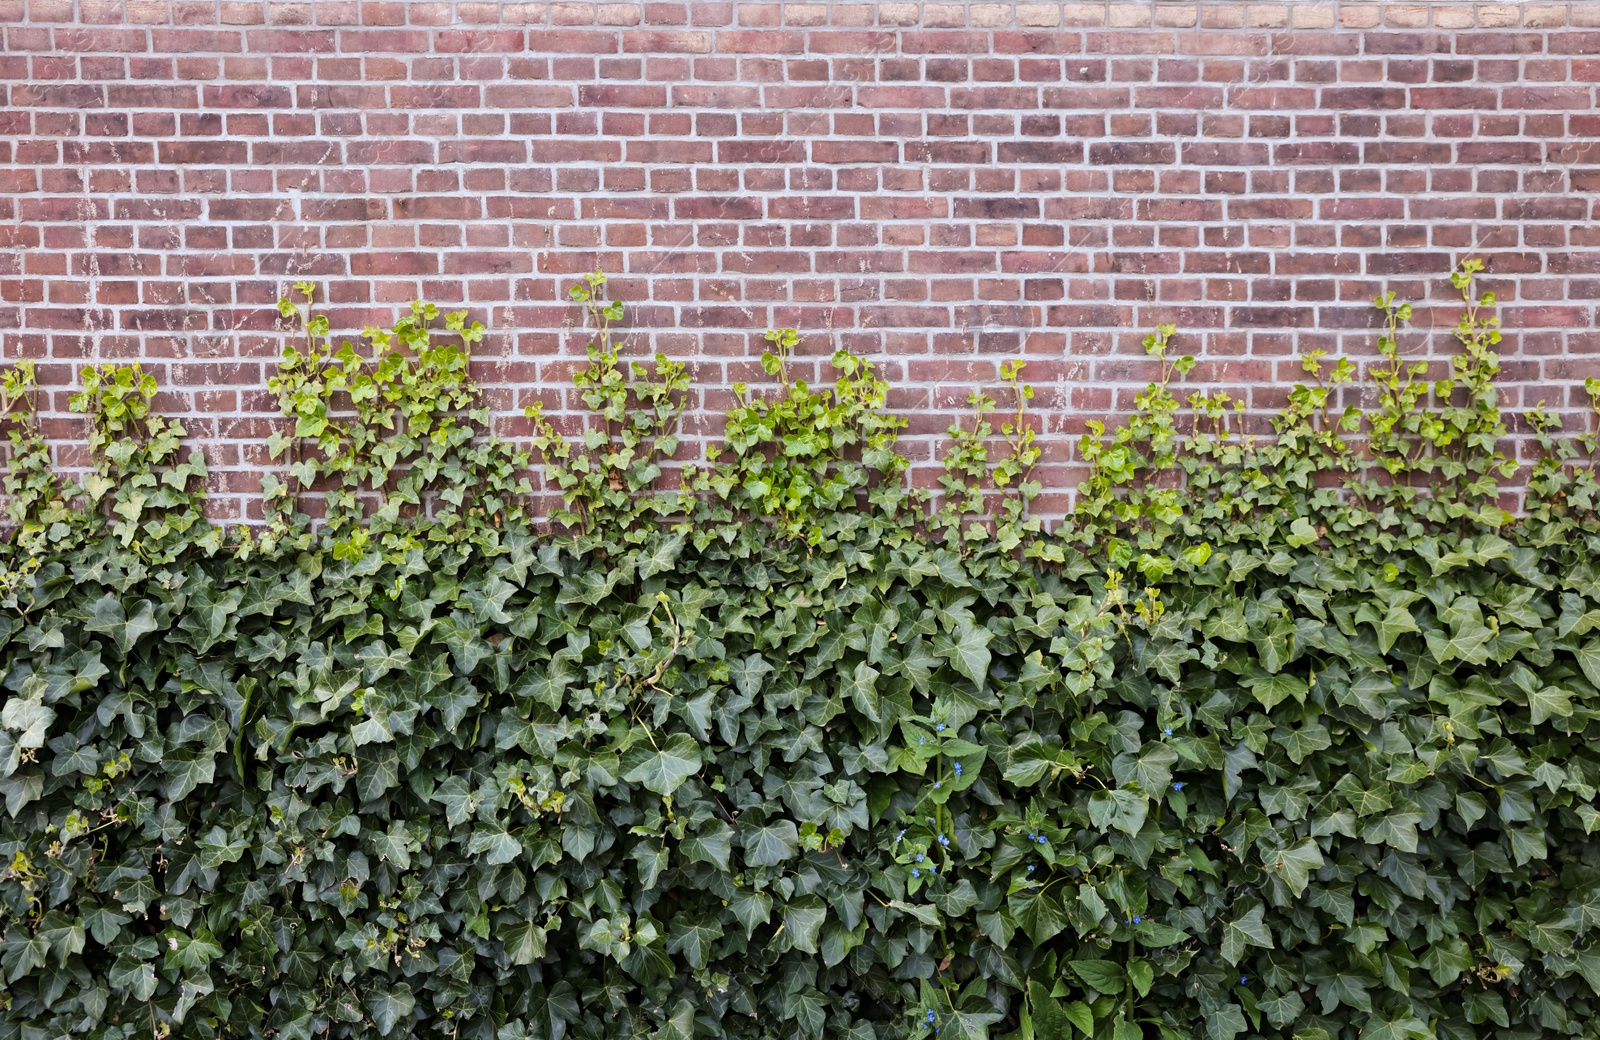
1244 930
389 1007
665 769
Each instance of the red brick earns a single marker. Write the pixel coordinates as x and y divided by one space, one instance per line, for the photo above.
928 193
854 151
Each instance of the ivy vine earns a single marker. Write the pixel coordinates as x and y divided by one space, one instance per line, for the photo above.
1276 735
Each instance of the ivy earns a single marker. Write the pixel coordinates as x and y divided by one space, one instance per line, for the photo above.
1278 735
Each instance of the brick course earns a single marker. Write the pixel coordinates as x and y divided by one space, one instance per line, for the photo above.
940 186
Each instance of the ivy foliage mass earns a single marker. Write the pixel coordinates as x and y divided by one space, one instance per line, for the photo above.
1290 735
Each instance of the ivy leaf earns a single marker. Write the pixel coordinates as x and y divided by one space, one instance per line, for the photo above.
712 844
1295 864
1038 914
970 1025
524 941
1225 1023
695 941
1245 930
1549 702
457 799
770 845
217 847
967 652
1154 934
802 920
661 555
1588 657
1121 808
680 1025
863 694
135 978
1403 1027
1151 770
29 718
750 908
1272 690
748 673
495 845
663 770
1283 1009
106 615
389 1007
194 952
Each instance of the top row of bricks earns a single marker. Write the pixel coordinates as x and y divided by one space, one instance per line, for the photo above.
1104 14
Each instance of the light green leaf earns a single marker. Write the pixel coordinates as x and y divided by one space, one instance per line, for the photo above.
967 651
663 771
1122 808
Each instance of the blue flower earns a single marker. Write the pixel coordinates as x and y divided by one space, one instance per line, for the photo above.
1243 979
1043 839
1168 731
1032 837
958 768
937 785
939 727
1177 786
944 841
919 857
915 872
900 836
922 740
1137 919
930 1014
1030 868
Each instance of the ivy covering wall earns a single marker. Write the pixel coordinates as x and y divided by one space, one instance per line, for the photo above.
1288 735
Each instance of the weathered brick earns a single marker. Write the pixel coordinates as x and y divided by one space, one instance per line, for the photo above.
942 184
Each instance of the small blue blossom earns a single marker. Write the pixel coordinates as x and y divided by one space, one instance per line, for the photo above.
932 869
939 727
944 841
915 872
1243 979
1043 839
922 740
1030 868
1137 919
900 837
1168 731
930 1014
1033 837
958 768
919 857
937 785
1177 786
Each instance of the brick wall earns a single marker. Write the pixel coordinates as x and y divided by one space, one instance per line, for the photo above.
941 186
